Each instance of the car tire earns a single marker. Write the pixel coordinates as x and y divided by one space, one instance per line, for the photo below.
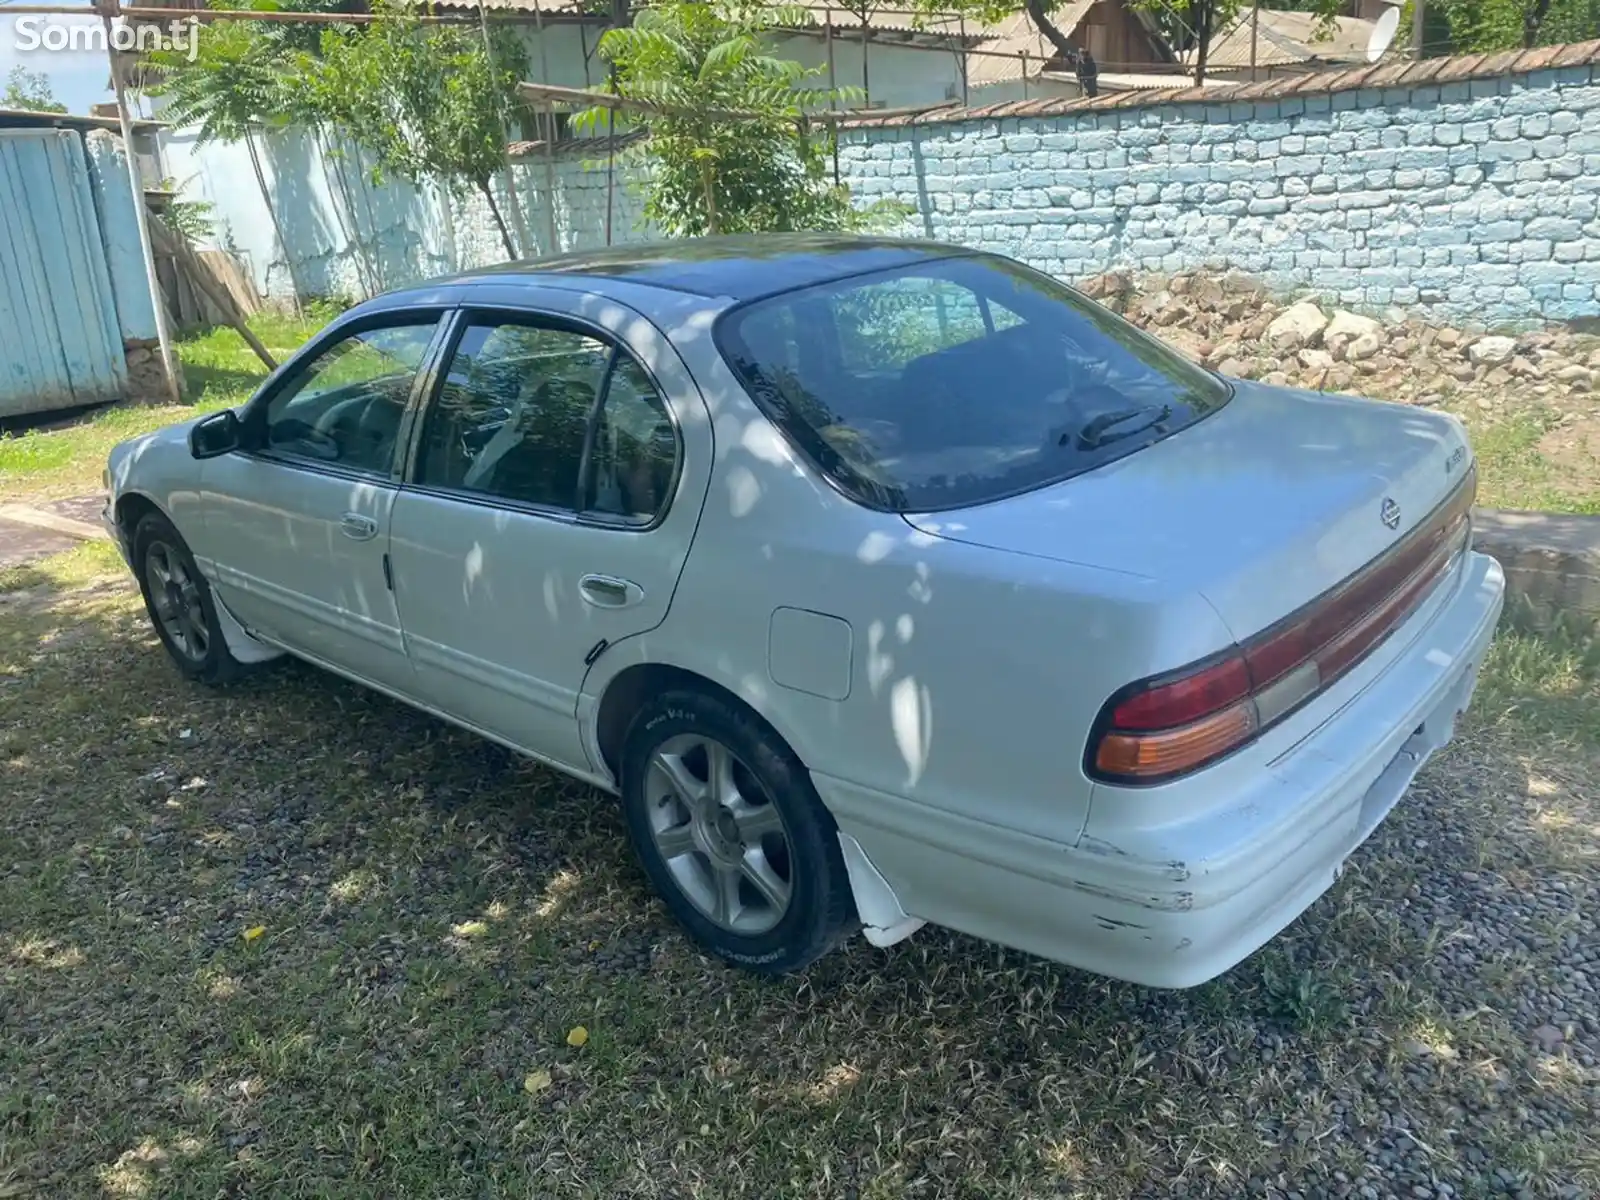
761 823
180 603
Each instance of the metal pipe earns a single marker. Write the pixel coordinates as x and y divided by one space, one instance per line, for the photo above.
512 200
550 177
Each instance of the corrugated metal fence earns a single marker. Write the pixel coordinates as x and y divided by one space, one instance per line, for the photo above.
60 341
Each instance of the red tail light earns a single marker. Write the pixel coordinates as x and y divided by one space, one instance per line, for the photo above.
1164 727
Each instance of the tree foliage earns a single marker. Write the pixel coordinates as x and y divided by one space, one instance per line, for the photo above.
424 100
732 146
30 90
1482 26
237 81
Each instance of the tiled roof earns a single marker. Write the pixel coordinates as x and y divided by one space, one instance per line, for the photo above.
1394 74
894 17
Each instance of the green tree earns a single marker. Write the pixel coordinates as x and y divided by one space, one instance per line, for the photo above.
730 146
426 101
239 82
30 90
1482 26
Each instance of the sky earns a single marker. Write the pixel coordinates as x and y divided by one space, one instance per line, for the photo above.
77 78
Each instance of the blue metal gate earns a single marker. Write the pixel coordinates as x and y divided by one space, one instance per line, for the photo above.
60 345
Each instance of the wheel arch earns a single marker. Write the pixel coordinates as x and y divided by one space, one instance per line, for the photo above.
133 507
630 688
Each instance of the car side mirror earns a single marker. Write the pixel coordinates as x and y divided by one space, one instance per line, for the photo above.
220 433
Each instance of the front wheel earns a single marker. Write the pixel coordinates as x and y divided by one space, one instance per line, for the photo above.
732 834
180 603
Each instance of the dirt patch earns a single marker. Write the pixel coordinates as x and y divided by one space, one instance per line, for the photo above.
22 544
1573 449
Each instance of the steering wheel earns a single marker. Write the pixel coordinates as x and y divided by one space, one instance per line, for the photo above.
306 438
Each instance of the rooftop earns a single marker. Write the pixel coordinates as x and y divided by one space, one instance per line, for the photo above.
1283 38
742 267
27 118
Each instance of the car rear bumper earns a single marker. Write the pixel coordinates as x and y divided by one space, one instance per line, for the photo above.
1176 905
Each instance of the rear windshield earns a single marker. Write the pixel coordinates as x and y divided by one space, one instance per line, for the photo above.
958 381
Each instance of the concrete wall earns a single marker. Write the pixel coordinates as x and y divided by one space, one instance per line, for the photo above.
1473 196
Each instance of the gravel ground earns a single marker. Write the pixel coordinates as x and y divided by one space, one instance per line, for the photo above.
293 939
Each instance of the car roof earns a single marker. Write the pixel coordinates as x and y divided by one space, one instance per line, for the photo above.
741 267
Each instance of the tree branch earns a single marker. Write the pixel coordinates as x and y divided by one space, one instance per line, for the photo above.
1042 23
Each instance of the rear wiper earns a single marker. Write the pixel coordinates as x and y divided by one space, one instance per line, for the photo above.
1098 433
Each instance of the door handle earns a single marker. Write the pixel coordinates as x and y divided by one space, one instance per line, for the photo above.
354 525
606 591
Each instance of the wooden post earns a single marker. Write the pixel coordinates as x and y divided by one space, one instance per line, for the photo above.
1024 74
964 57
866 82
1418 8
611 156
158 302
1255 26
827 35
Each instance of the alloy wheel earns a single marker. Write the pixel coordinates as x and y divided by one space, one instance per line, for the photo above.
719 833
175 595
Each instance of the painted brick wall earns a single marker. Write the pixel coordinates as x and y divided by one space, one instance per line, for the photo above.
1476 198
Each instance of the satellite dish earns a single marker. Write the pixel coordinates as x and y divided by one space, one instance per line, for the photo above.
1383 32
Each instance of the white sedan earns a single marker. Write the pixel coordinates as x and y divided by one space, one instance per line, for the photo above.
884 583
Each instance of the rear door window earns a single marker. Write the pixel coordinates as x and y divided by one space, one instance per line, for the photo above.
958 381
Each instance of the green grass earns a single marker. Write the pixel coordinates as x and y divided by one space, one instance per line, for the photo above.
436 919
1514 474
219 371
1546 685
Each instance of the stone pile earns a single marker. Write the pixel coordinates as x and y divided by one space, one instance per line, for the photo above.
1233 324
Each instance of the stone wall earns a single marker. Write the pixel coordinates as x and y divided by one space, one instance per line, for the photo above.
1457 185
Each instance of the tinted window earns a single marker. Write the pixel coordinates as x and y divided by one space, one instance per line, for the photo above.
511 415
345 405
886 325
635 449
957 381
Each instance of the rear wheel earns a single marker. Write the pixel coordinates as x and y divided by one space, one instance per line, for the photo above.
727 825
179 602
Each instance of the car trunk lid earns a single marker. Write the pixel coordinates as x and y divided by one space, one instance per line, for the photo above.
1261 507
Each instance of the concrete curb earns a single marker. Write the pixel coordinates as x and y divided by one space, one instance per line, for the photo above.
21 514
1551 560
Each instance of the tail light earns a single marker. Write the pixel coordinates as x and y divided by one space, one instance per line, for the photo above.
1160 728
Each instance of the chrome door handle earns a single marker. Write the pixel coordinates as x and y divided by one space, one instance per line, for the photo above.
354 525
606 591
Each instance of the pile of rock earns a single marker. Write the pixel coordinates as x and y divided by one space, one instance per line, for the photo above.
1232 323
